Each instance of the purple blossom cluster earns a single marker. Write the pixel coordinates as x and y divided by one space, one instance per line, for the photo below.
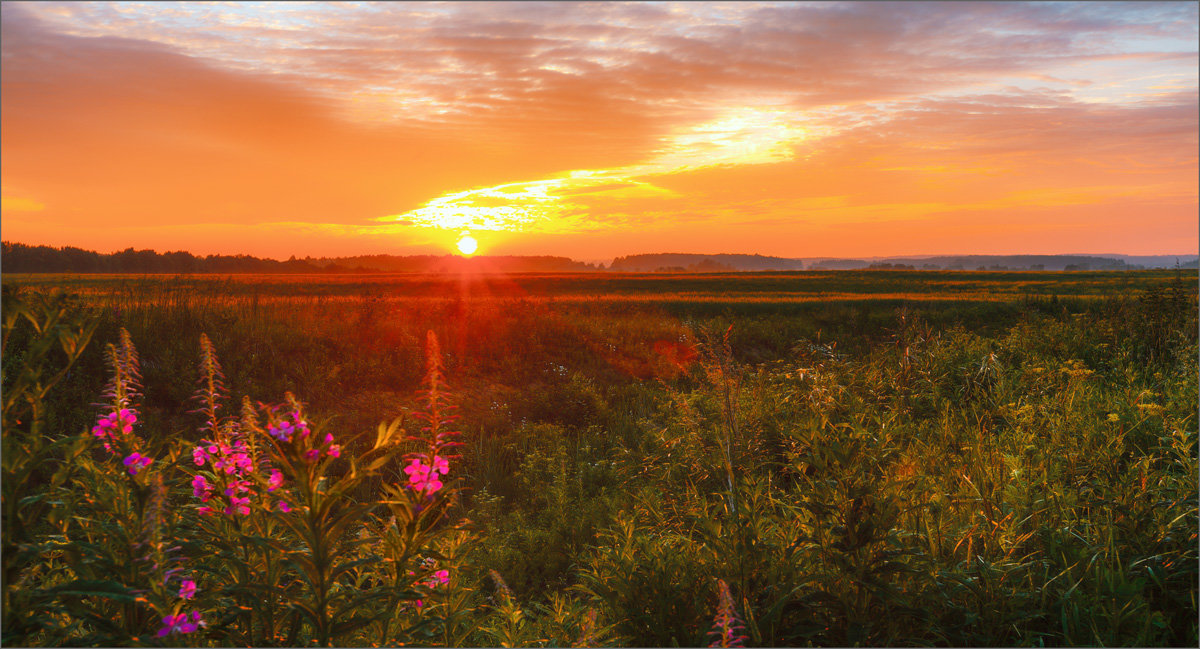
283 430
181 623
437 578
426 478
117 422
136 461
116 429
233 477
293 428
230 459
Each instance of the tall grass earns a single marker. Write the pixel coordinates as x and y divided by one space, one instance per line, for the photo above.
1000 472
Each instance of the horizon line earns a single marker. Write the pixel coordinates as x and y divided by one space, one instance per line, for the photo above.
912 256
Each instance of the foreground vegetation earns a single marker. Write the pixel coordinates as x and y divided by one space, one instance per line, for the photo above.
653 461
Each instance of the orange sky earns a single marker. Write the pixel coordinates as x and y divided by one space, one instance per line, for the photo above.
593 130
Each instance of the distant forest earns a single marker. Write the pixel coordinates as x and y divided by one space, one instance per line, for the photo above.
22 258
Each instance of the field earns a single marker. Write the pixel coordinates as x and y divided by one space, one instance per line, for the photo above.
848 458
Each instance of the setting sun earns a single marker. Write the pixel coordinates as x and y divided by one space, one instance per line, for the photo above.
467 244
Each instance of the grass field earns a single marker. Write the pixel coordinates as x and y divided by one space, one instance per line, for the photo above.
809 458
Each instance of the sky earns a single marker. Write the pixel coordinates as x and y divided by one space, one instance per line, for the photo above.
598 129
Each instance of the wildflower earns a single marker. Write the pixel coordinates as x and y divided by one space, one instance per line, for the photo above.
275 481
726 623
438 578
180 624
237 486
201 489
301 425
206 510
422 478
441 465
136 462
335 450
282 431
126 418
312 454
103 425
237 504
199 456
188 589
284 506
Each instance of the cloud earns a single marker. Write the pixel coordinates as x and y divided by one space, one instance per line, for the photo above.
581 117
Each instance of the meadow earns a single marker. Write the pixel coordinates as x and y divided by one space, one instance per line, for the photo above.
852 458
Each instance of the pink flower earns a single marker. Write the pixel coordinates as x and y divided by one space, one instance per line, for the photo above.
238 505
335 450
312 454
284 507
127 418
102 426
415 468
188 589
427 484
180 624
201 489
441 465
275 481
206 510
422 478
136 462
199 456
438 578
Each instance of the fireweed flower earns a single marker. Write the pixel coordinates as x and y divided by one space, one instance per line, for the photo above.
283 430
188 589
275 481
726 624
232 475
126 418
115 425
284 506
136 462
440 577
239 505
201 489
180 624
424 478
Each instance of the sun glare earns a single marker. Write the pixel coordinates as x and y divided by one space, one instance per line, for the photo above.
467 244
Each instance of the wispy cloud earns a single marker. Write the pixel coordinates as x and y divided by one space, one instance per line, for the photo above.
563 118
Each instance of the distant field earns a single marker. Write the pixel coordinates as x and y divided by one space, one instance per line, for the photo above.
733 288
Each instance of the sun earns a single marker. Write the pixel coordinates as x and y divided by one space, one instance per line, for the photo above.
467 244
